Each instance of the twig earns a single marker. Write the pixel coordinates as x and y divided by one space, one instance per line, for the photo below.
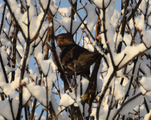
146 105
2 22
28 24
14 51
11 107
41 114
72 15
11 23
109 110
3 68
59 114
105 36
134 10
82 20
47 101
33 109
123 23
121 60
25 110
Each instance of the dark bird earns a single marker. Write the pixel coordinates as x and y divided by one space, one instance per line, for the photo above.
75 59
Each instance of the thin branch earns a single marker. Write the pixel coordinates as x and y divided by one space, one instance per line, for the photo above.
121 60
14 51
3 68
11 23
2 22
105 36
11 107
33 109
123 23
25 110
134 10
41 114
28 24
109 110
82 22
59 114
146 105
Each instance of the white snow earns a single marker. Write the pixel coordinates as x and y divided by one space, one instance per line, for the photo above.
91 16
119 91
130 52
66 12
66 100
131 105
66 22
26 95
39 92
4 55
147 116
146 82
104 112
6 110
100 4
87 44
62 17
84 83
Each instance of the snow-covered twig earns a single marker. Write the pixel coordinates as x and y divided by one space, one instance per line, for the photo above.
14 18
42 21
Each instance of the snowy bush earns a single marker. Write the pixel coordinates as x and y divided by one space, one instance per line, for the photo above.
33 83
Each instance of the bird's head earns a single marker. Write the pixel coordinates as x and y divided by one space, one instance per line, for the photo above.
64 39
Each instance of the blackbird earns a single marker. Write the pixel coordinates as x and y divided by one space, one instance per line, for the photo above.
75 59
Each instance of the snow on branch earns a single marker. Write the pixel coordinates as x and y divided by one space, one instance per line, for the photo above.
74 59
